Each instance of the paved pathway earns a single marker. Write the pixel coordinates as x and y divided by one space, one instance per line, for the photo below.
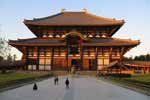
81 88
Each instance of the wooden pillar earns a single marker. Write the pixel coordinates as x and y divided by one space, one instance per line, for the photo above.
103 57
81 53
52 58
121 54
26 58
44 49
88 51
67 55
82 50
59 50
110 54
96 57
110 58
37 58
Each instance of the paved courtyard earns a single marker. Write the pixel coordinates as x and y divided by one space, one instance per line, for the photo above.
81 88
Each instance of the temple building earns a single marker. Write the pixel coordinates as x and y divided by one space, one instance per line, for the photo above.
72 39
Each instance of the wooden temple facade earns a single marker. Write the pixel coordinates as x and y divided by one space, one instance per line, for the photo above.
72 39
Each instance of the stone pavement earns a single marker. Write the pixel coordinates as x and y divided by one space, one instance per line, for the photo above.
81 88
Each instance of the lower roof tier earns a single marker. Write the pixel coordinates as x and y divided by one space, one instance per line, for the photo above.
59 42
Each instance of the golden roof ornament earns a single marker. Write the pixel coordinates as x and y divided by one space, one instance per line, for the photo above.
85 10
63 10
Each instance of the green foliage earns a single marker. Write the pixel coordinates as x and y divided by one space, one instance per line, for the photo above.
142 79
5 57
138 58
117 75
1 58
18 77
127 58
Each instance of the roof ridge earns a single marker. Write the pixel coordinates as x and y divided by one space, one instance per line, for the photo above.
27 39
41 18
126 40
37 19
110 19
93 15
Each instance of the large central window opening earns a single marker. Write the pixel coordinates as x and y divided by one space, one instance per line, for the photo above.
73 43
73 49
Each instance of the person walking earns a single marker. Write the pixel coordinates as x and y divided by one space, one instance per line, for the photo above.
67 83
56 80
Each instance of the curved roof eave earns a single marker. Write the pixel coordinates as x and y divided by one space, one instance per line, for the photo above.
73 18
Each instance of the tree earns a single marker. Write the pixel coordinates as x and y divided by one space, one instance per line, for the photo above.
138 58
1 58
142 58
4 48
126 58
14 57
147 57
5 57
9 58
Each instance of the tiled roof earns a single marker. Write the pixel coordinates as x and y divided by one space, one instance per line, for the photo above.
89 42
112 42
36 42
74 18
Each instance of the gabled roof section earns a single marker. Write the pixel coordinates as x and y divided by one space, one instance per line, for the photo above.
74 19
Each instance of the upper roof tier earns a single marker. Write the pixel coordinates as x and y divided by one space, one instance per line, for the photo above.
74 19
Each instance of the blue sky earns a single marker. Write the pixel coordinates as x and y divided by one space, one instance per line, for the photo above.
136 14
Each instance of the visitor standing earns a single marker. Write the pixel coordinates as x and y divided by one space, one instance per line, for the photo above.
35 86
67 83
